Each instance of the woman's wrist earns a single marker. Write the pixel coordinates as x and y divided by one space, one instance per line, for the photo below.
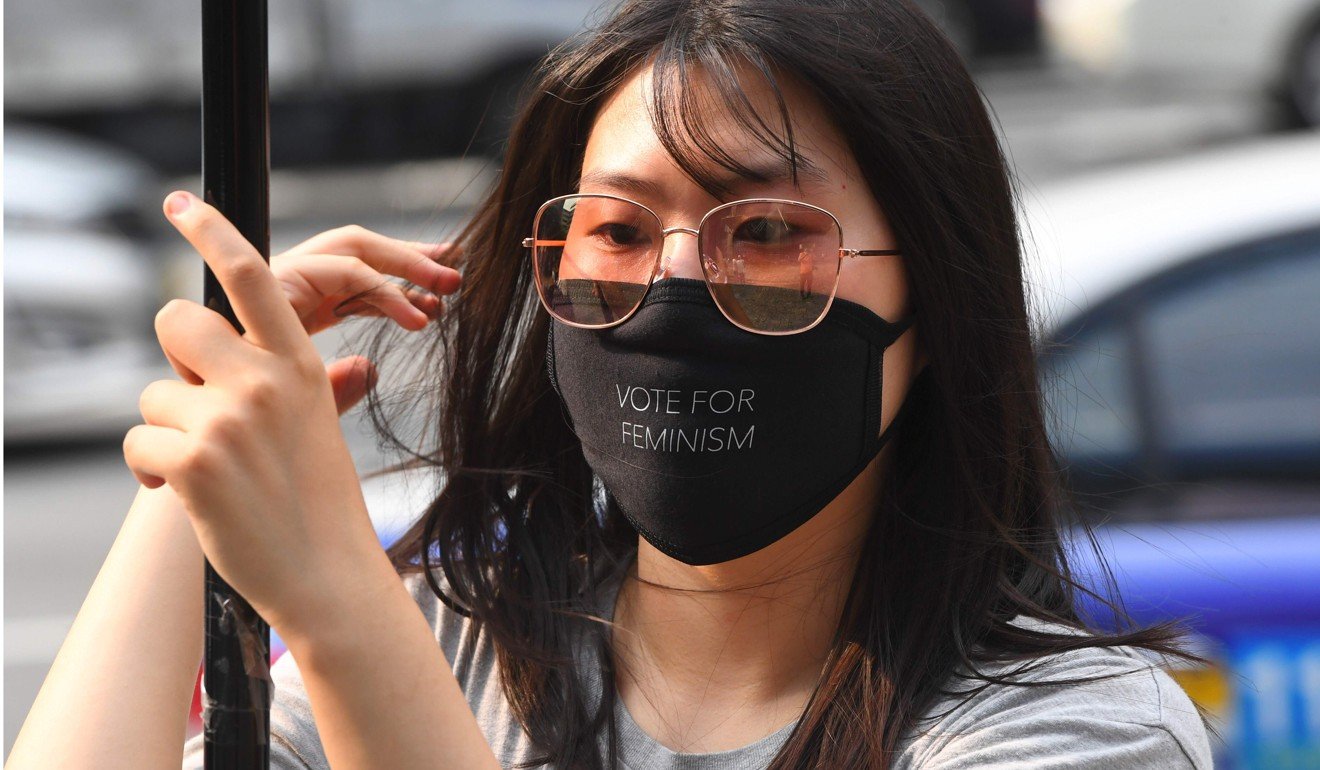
339 618
381 689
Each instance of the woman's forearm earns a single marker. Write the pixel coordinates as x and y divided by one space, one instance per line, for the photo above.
381 691
118 693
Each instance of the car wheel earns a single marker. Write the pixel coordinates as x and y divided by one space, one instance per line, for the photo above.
1303 79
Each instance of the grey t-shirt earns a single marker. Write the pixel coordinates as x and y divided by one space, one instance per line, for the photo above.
1141 719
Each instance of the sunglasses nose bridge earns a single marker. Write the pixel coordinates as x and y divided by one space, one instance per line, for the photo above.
671 264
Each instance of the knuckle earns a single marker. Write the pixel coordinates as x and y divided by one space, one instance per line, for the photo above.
208 228
197 459
260 392
368 279
246 271
352 231
130 441
147 396
223 428
170 308
169 314
132 447
354 266
309 369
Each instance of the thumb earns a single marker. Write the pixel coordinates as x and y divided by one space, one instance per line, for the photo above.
350 378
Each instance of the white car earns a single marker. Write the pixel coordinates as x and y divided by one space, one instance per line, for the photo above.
1188 291
81 288
1269 47
1177 309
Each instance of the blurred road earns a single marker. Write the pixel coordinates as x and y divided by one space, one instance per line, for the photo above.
64 506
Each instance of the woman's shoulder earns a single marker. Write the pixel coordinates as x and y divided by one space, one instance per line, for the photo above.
1132 714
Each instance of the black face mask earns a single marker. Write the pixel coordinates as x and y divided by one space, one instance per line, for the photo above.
714 441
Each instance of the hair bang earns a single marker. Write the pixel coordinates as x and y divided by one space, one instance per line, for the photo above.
683 114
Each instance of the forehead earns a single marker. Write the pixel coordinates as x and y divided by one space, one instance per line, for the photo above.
625 154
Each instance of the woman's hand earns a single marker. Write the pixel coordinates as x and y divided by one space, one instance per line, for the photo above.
251 440
321 273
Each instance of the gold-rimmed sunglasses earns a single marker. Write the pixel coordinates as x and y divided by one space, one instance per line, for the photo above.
771 265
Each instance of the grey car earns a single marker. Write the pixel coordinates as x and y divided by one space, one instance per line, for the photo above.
82 285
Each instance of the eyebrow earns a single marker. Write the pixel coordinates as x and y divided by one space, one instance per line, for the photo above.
761 175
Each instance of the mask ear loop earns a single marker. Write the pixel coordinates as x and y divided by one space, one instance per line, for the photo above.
900 327
903 408
897 328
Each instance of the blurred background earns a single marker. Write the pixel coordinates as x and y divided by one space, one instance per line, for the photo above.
1170 169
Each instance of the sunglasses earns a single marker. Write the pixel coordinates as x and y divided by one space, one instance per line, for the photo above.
771 265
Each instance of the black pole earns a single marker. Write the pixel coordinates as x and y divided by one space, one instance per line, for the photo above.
236 180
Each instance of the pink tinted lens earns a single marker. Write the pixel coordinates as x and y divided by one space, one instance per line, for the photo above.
594 256
771 266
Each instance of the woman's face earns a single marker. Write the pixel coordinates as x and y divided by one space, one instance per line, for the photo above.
625 157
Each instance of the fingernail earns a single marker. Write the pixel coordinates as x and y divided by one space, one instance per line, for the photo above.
178 202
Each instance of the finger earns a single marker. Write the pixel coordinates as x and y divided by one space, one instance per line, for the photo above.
151 451
409 308
450 254
426 268
186 374
352 239
199 341
173 404
330 275
411 260
425 307
425 301
259 304
350 379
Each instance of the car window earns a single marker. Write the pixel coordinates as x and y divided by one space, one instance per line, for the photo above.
1087 382
1234 353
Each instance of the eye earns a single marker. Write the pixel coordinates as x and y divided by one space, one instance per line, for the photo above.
617 234
764 230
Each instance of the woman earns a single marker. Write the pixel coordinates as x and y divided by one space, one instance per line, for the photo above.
681 522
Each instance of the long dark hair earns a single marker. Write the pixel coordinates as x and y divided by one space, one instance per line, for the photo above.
967 535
